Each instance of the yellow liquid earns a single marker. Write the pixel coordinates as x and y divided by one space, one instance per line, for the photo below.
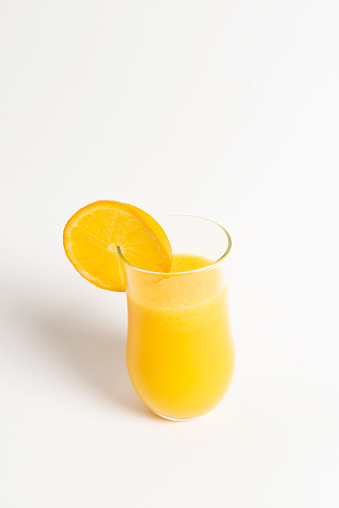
180 353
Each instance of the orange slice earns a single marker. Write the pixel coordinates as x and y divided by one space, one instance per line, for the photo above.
92 235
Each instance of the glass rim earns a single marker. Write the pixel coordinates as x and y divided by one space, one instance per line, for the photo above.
204 268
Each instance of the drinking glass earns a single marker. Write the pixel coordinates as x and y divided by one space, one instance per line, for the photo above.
180 352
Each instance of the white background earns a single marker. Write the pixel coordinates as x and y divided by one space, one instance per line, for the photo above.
228 110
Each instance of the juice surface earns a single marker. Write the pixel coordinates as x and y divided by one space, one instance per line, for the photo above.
180 353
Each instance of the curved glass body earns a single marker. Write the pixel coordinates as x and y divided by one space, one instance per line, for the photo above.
180 352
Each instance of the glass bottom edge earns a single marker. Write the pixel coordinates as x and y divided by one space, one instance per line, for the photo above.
179 419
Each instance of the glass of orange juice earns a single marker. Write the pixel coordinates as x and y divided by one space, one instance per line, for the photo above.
180 351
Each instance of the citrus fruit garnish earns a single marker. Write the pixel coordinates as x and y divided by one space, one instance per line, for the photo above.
94 233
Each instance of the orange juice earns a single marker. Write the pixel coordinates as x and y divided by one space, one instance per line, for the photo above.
180 352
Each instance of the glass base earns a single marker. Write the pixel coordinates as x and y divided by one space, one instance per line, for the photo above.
178 419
